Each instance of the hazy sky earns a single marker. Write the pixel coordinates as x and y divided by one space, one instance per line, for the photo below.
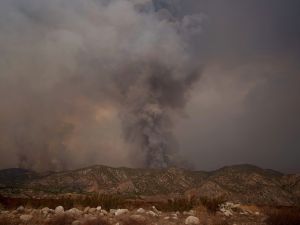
207 83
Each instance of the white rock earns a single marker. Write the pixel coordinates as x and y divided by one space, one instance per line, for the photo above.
119 212
59 210
141 210
98 208
20 209
192 220
227 213
151 213
166 218
26 218
76 222
86 209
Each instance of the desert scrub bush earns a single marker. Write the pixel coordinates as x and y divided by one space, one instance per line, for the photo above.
5 220
212 204
62 219
283 216
105 201
133 221
96 221
177 204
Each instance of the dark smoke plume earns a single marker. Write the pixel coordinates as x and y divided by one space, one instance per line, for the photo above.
149 110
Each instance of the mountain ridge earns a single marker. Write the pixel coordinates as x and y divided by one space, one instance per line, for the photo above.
241 183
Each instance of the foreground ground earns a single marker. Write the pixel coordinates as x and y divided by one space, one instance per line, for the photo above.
226 213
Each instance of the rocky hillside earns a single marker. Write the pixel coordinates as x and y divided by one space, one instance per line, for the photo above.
244 183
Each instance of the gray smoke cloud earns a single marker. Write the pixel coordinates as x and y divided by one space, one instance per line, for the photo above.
114 82
68 64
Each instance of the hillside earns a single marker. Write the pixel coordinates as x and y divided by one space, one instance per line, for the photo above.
244 183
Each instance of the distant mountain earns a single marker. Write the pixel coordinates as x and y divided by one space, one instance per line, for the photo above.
243 183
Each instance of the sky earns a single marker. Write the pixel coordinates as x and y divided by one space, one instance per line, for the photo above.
139 83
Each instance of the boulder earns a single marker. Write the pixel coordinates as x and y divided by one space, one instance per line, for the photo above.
45 210
74 212
191 220
92 210
98 208
20 209
140 210
86 209
104 212
59 210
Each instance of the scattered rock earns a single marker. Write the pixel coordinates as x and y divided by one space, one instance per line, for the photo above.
112 211
141 210
104 212
59 210
98 208
192 220
92 210
155 210
190 213
119 212
226 212
166 218
26 218
151 213
20 209
45 210
74 212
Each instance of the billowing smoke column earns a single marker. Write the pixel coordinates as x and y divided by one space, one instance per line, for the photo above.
149 112
63 61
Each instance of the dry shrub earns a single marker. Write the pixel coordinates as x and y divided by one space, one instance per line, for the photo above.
106 201
250 208
207 218
212 204
132 221
217 220
283 216
178 204
96 221
93 200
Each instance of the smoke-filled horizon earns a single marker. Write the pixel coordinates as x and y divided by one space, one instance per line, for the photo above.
149 83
